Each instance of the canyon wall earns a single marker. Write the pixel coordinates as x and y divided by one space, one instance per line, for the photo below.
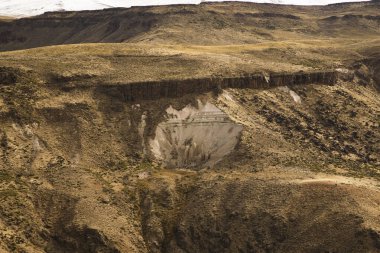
177 88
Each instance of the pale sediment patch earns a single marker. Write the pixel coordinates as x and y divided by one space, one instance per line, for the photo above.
141 129
292 93
336 179
195 136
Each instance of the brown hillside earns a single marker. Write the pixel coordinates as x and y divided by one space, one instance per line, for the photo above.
223 127
205 24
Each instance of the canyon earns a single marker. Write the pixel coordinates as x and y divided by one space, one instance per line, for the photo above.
235 128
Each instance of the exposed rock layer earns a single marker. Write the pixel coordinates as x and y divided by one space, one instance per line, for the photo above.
179 88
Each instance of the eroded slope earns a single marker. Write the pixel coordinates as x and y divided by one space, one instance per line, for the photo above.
78 166
109 147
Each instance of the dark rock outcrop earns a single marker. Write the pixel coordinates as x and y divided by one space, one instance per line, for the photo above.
179 88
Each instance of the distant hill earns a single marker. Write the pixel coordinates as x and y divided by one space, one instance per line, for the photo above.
207 23
22 8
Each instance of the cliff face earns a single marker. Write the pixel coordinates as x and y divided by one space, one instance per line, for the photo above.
179 88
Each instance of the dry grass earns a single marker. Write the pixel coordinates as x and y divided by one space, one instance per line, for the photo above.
174 42
131 62
6 18
73 158
207 24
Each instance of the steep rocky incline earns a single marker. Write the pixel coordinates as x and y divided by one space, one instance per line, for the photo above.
84 169
243 213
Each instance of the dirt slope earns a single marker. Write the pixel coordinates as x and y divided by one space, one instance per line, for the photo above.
146 147
78 174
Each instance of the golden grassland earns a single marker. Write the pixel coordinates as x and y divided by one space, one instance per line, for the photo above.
130 62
